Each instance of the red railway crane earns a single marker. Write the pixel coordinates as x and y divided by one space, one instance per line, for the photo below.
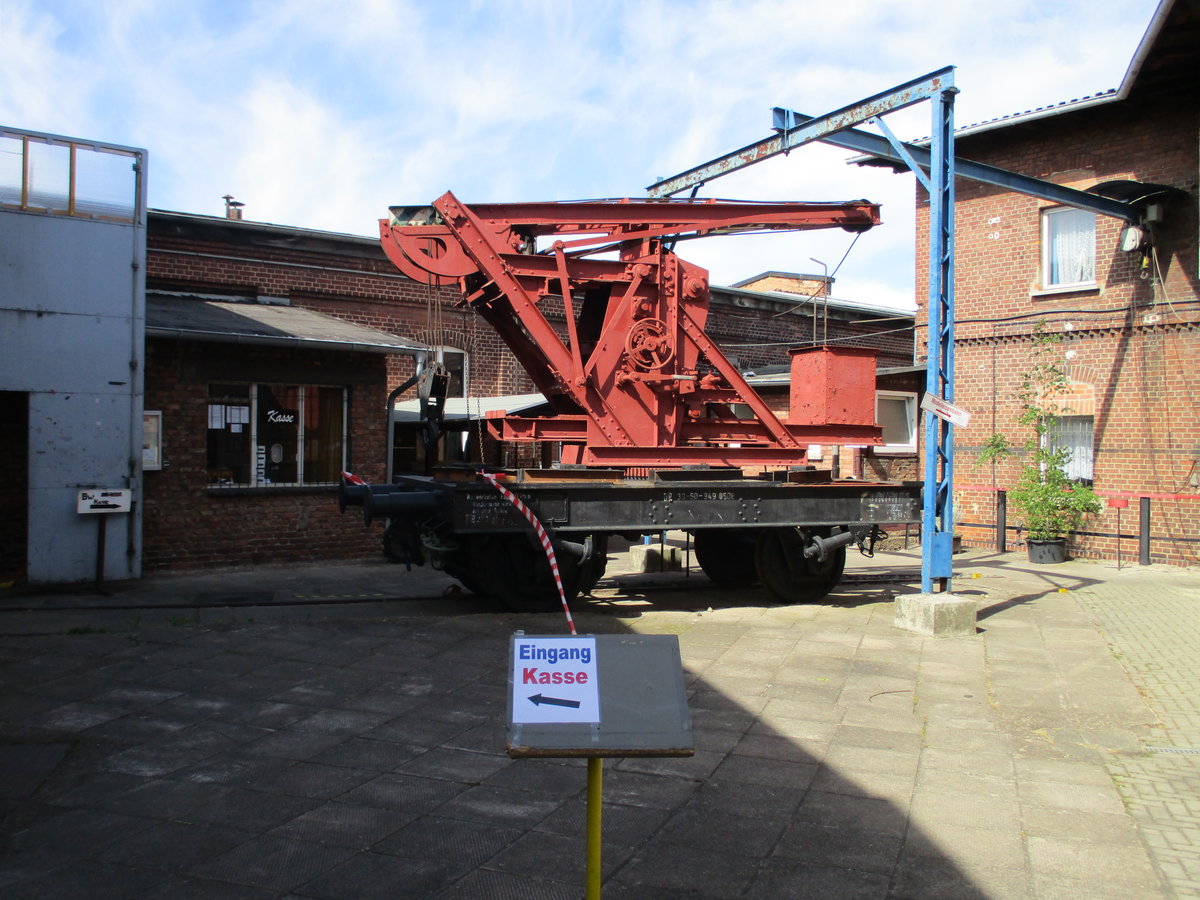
636 381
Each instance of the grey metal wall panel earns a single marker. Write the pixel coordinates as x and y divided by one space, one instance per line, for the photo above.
63 352
72 319
54 263
79 439
62 543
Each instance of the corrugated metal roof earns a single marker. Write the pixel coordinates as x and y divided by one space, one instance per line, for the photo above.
1040 112
1166 53
461 409
264 324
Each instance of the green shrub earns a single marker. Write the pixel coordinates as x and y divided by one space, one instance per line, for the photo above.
1051 505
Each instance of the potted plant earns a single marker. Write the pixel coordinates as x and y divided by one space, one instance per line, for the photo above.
1050 503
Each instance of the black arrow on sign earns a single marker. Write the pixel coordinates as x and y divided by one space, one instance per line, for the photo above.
538 700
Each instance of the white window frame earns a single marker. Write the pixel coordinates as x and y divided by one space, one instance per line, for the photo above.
1066 427
1049 245
910 404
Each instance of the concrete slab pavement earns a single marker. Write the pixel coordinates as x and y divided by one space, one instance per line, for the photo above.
267 749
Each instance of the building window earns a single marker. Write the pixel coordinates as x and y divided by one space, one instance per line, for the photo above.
1075 434
1068 248
455 362
896 414
271 434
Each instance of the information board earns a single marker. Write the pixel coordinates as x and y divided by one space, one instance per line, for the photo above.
597 695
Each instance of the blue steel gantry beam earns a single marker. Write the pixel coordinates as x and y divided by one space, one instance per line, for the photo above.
938 518
918 158
937 533
820 128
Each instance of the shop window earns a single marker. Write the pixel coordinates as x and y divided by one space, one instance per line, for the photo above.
1068 248
269 434
896 414
1075 434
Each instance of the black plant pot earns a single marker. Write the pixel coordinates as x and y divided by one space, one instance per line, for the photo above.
1053 551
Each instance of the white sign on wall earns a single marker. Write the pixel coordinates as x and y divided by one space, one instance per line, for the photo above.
554 680
105 500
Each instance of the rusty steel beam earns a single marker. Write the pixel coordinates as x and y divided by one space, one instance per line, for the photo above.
816 129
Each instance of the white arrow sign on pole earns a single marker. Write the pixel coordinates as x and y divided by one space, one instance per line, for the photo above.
955 415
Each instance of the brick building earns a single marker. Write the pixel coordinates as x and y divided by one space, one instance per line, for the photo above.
746 322
267 372
212 378
1126 302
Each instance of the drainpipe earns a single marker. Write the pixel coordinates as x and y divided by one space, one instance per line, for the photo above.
1144 531
422 361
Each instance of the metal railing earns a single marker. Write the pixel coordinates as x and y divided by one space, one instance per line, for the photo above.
56 175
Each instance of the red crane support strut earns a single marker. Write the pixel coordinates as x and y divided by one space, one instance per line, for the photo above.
636 381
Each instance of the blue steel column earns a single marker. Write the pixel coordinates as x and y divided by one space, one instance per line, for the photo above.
938 518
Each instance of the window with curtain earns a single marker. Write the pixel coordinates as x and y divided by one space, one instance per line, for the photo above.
1076 434
1068 248
261 435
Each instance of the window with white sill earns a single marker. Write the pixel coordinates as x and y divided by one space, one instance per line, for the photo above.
1068 248
896 413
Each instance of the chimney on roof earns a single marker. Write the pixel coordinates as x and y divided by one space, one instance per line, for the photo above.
233 208
789 283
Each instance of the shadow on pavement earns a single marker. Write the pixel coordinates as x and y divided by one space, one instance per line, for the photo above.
363 758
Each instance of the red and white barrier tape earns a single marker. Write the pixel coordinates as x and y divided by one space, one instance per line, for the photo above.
547 544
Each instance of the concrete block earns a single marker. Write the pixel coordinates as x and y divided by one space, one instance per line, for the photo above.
936 615
652 558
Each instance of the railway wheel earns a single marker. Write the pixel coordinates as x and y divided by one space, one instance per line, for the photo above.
462 565
514 569
595 562
727 555
788 574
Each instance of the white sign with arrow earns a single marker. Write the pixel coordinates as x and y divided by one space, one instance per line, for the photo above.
554 680
945 410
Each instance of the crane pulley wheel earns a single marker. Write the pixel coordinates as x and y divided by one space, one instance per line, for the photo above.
648 343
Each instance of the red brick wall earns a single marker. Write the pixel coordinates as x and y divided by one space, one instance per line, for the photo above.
760 332
188 525
1133 339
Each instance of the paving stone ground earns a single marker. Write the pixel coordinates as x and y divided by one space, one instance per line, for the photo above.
1155 635
260 754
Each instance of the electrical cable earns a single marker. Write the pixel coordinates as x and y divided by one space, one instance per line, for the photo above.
852 337
828 278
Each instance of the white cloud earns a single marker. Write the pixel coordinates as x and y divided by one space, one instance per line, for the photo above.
321 115
41 86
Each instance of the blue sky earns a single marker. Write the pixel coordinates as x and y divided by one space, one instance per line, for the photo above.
322 114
